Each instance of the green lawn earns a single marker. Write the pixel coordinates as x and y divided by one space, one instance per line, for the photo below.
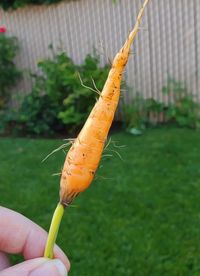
142 219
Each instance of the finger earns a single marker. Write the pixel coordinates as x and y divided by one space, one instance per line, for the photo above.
20 235
4 261
37 267
54 268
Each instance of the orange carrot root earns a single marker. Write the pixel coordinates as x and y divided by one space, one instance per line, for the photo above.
84 155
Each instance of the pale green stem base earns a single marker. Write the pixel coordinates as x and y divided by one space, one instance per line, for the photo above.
53 231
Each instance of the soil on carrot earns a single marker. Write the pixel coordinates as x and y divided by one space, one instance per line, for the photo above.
143 219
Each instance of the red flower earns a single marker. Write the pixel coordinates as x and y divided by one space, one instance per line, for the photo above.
2 29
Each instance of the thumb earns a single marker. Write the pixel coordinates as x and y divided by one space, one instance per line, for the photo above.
37 267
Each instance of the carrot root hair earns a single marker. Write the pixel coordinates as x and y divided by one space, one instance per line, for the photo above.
62 147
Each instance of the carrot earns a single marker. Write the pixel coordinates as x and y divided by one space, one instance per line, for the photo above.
84 155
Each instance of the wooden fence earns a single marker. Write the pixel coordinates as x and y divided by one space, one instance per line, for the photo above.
167 45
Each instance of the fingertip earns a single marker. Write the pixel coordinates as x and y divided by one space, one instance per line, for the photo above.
52 267
59 254
60 267
37 267
24 268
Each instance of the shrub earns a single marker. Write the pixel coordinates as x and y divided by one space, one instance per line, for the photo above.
183 110
79 102
37 115
135 113
9 74
58 100
141 113
155 111
14 4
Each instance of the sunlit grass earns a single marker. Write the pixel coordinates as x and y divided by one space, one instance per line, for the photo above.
141 216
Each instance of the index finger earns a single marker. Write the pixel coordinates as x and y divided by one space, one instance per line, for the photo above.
20 235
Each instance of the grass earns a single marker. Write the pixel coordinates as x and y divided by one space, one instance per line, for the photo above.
143 219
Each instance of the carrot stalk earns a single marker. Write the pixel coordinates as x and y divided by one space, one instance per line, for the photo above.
53 231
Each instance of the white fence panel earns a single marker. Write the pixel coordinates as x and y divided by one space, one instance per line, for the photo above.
168 44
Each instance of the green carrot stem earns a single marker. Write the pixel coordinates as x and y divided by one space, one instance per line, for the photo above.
53 231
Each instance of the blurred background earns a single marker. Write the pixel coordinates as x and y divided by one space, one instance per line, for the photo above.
144 220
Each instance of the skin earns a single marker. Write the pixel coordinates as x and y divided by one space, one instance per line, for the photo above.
84 156
19 235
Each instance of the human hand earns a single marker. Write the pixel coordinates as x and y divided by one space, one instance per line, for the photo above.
20 235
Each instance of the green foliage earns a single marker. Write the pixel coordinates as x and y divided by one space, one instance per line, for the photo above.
9 74
154 106
58 99
7 121
14 4
135 113
155 112
183 110
79 102
37 115
174 88
141 113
